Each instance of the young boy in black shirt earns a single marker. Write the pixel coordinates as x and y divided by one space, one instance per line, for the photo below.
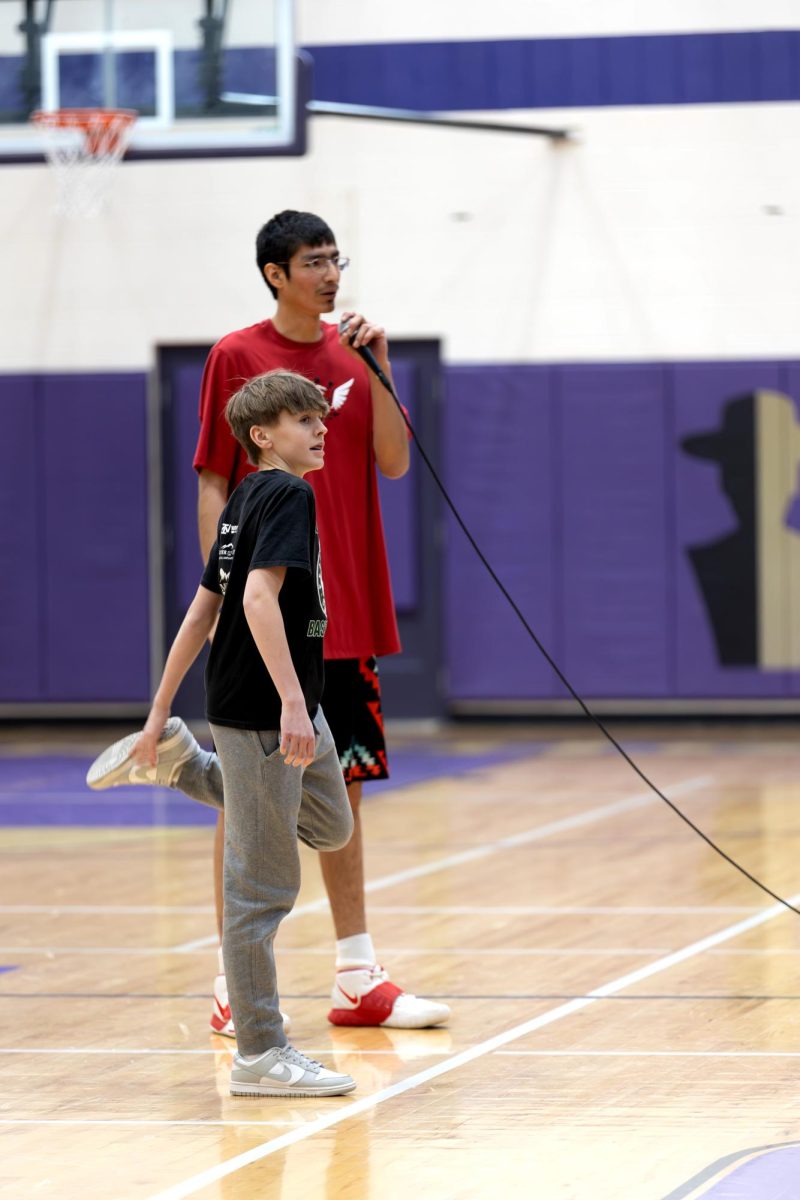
280 771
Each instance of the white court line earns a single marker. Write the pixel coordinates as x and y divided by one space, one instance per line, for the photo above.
117 910
470 910
539 832
91 951
352 1109
82 797
364 1053
650 1053
123 1051
408 952
325 951
115 1050
494 951
535 910
134 1122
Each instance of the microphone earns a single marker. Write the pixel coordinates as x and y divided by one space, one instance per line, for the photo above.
369 358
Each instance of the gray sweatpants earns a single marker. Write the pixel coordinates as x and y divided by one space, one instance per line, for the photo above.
268 806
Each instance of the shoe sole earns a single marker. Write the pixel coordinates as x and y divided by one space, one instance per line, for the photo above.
268 1089
344 1016
113 765
408 1023
105 769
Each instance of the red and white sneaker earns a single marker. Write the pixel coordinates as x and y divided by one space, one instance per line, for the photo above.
366 996
221 1020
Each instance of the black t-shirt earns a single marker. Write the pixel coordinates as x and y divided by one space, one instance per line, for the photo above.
269 521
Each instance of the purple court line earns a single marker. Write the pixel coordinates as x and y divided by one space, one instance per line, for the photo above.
49 790
771 1173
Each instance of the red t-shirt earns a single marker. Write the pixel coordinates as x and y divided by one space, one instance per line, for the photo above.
361 616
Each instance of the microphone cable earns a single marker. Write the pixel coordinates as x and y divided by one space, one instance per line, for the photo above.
370 360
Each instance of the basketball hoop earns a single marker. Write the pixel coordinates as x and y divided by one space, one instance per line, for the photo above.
83 144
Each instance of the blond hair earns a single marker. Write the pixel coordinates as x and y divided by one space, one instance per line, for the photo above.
262 400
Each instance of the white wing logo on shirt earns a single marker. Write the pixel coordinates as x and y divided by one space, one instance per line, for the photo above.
340 394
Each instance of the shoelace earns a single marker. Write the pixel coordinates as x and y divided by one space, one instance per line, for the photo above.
289 1054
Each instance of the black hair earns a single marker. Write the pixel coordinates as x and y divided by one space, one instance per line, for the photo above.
284 234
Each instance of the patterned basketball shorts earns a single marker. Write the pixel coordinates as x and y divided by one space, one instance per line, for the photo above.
351 701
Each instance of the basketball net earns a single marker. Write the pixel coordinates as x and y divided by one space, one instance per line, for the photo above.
83 145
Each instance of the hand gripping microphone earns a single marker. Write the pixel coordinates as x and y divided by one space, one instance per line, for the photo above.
369 358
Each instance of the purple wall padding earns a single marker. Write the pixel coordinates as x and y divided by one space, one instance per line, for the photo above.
22 484
587 505
702 513
498 464
92 438
573 479
399 506
612 480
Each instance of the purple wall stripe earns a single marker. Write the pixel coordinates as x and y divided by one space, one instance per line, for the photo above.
751 66
22 646
498 466
94 459
562 72
613 493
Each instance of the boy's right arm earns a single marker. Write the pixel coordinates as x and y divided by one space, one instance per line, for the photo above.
189 641
265 619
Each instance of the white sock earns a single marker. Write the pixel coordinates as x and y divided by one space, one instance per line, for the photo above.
220 961
356 951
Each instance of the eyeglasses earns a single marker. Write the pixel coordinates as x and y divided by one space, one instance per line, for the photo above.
320 263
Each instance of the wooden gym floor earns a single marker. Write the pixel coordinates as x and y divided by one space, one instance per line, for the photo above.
626 1007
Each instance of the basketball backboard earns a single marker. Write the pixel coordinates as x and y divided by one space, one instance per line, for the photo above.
206 77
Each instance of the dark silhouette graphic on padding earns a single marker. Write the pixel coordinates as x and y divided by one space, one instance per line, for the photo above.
750 578
726 568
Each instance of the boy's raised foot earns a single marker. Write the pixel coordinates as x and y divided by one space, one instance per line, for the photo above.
115 766
284 1071
366 996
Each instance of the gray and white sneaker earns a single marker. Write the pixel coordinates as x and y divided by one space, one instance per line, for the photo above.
115 765
284 1071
